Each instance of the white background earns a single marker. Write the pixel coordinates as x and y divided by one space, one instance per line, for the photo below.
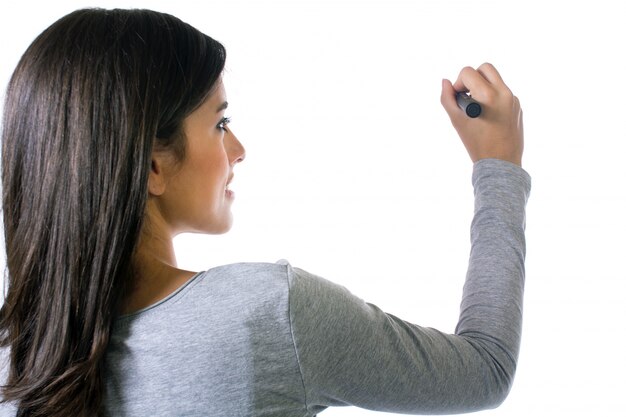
353 171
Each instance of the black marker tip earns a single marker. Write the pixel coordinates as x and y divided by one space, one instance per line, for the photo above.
471 107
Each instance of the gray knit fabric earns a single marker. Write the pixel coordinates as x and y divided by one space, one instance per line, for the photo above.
255 339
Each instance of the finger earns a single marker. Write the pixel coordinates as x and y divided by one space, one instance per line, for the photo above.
448 100
491 74
470 80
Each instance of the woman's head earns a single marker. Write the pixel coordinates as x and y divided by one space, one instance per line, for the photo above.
193 195
93 102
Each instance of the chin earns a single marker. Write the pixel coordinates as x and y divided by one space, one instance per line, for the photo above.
222 231
210 224
219 228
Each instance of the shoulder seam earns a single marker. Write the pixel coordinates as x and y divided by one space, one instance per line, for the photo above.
289 272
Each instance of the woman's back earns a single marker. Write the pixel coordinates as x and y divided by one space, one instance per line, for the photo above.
220 345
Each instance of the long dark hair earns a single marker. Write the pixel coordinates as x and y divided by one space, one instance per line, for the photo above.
90 99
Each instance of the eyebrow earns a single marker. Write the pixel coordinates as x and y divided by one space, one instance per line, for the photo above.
222 106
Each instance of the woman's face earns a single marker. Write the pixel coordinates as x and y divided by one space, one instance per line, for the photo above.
196 196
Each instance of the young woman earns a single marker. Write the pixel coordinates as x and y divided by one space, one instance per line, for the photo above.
114 141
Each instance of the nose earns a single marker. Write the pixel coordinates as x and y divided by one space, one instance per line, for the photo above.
235 150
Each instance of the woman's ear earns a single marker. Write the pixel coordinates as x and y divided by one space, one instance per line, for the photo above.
156 180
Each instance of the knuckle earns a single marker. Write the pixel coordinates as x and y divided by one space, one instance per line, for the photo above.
508 96
489 95
467 70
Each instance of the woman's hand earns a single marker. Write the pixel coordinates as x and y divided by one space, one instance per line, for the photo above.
498 132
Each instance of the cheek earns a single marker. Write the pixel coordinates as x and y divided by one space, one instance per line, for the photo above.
215 170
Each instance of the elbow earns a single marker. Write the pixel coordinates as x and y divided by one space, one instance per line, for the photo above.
500 383
498 372
491 396
498 396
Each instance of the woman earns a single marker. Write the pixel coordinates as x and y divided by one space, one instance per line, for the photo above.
114 141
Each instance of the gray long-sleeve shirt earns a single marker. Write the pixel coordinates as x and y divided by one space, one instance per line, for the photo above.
272 340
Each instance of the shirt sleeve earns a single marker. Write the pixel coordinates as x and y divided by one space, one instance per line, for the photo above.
352 353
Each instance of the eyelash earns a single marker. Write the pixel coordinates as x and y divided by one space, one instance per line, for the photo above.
223 123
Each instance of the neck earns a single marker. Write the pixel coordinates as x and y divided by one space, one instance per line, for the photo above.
156 274
156 243
155 249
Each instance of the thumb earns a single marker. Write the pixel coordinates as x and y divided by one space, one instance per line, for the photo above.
448 99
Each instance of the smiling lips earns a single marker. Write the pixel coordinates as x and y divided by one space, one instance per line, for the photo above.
229 193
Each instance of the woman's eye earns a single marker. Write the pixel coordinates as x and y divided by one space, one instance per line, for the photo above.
223 123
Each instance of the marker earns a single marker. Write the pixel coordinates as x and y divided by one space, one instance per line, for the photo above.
469 105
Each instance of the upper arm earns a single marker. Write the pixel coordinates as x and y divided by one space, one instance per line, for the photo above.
352 353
